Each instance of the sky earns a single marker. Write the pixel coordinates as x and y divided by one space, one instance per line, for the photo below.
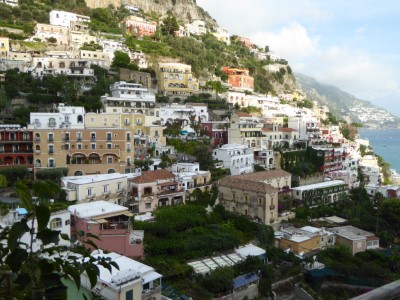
351 44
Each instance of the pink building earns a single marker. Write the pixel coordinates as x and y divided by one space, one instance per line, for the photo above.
245 41
139 26
155 189
111 223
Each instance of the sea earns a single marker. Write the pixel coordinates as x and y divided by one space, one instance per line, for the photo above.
385 143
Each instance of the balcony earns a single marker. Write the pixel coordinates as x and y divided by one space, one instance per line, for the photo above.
51 151
36 139
146 294
52 125
50 139
37 151
168 192
79 139
93 139
106 193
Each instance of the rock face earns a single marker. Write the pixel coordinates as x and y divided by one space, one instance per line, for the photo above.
185 10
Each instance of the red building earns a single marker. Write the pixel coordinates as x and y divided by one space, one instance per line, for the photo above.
239 78
218 131
15 146
139 26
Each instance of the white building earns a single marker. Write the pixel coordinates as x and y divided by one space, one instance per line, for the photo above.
238 158
64 18
190 176
174 112
133 280
308 127
59 220
197 27
370 169
222 35
64 117
109 187
43 32
129 97
110 46
10 2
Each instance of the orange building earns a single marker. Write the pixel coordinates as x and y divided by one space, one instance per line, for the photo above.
239 78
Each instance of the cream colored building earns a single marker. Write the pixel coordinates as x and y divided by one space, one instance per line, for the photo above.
176 79
256 200
108 187
46 31
4 46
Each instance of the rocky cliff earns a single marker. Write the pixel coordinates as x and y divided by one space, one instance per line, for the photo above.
185 10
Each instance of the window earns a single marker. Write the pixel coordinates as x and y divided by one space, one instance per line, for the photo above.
148 205
93 146
109 146
260 201
109 159
246 199
52 122
105 188
119 186
50 137
56 223
89 191
79 146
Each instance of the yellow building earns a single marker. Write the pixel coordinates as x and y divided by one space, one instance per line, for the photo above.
84 151
176 79
300 244
4 46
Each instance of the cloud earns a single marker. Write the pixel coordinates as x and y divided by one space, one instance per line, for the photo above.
355 71
292 42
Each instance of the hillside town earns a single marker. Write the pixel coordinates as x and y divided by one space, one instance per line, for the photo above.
178 176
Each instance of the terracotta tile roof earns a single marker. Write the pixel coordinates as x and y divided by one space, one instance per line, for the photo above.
284 129
243 115
247 185
196 104
264 175
152 176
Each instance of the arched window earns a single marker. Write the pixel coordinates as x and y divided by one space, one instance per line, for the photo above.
80 119
110 171
78 173
56 223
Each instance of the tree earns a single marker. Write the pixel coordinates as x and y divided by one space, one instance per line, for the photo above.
143 164
170 25
219 281
28 273
120 60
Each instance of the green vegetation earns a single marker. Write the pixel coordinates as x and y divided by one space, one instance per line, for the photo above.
28 273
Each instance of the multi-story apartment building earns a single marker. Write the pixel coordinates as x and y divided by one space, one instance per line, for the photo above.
329 159
129 98
108 187
155 189
139 26
239 159
85 144
44 32
110 222
10 2
188 114
16 146
255 194
176 79
239 78
98 58
217 131
257 200
64 18
309 128
191 177
197 27
320 193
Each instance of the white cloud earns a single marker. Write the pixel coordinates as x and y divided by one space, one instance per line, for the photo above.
292 42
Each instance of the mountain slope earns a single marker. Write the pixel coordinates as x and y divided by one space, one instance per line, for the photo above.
343 104
185 10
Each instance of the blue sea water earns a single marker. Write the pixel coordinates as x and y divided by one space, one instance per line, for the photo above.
385 143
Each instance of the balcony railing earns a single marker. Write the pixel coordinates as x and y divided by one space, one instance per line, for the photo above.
37 139
51 151
166 192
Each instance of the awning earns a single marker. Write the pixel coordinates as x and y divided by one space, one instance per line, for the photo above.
100 221
128 214
120 213
150 277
